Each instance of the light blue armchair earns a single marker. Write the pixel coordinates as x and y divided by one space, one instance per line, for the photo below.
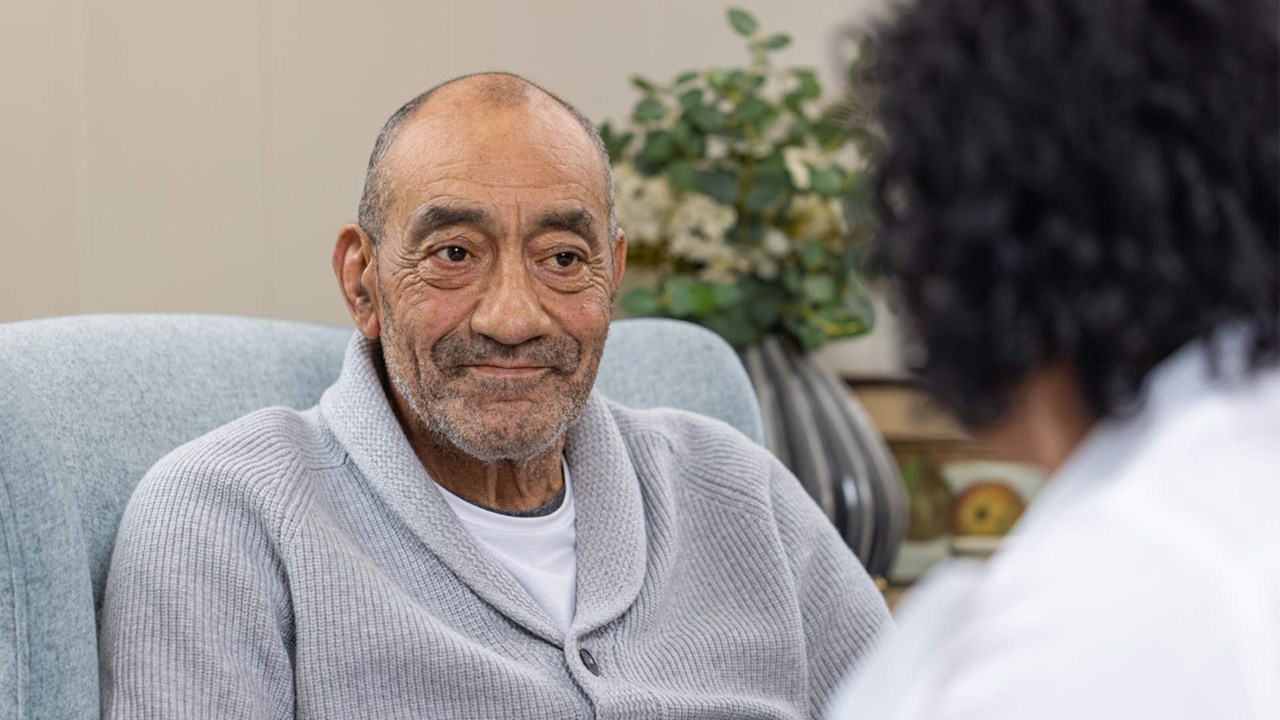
88 403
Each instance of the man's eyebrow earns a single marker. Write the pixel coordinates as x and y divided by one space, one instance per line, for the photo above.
432 217
578 221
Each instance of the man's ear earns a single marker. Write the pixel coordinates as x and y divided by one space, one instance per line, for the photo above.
354 266
619 258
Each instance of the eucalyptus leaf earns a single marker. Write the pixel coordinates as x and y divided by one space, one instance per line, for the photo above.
726 295
777 42
855 301
688 297
641 301
720 185
751 109
764 310
764 192
836 323
826 181
707 118
683 176
810 336
812 255
642 84
690 98
658 147
734 326
615 143
808 86
648 110
819 289
743 22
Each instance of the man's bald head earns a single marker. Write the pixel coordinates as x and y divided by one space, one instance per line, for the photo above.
497 90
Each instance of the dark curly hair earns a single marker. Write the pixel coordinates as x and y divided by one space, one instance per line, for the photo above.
1092 183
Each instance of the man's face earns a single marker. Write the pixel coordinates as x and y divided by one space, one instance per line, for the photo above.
495 275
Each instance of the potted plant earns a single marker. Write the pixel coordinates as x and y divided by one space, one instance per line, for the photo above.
745 195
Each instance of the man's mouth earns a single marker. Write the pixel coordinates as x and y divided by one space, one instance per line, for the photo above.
508 371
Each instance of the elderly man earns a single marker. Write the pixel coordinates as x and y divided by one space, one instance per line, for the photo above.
461 529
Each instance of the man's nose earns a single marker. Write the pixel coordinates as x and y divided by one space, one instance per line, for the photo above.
509 310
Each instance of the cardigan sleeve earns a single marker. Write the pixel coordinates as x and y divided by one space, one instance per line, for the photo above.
843 613
196 618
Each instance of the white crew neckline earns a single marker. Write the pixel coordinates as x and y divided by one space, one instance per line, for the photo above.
474 515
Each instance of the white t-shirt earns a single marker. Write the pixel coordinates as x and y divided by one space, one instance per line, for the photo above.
1144 581
540 552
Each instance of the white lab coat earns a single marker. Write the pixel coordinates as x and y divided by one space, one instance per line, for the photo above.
1143 582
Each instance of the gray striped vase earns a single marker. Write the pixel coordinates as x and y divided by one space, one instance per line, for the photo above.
817 428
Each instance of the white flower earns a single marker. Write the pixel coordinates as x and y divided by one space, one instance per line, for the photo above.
761 264
717 147
814 216
849 157
722 270
697 227
643 204
776 243
797 160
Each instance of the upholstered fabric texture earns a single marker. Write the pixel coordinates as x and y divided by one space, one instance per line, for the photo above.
89 403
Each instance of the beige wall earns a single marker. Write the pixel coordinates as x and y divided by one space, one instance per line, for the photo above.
175 156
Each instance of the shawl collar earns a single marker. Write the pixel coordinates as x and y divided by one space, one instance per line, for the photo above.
611 541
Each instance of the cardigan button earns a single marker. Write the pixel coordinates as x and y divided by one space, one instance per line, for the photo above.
589 662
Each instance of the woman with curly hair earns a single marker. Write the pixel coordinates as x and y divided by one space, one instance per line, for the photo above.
1081 204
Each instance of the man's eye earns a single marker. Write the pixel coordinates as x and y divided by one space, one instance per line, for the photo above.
453 253
565 259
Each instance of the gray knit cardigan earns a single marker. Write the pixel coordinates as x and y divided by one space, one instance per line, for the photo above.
303 564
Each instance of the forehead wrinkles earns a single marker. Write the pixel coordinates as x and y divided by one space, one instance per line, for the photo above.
453 153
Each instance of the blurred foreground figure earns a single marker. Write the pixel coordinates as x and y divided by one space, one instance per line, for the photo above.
1081 203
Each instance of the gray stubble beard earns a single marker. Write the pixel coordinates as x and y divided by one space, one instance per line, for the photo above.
445 429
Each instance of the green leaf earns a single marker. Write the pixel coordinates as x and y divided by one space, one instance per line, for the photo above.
718 79
691 141
743 22
726 295
719 185
819 289
777 42
734 326
836 323
658 148
808 86
812 255
686 77
826 181
707 118
765 309
641 301
615 144
764 191
642 84
830 135
752 109
808 335
690 98
683 176
688 297
855 301
649 109
792 276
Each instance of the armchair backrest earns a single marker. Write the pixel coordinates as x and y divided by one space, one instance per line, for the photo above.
89 403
